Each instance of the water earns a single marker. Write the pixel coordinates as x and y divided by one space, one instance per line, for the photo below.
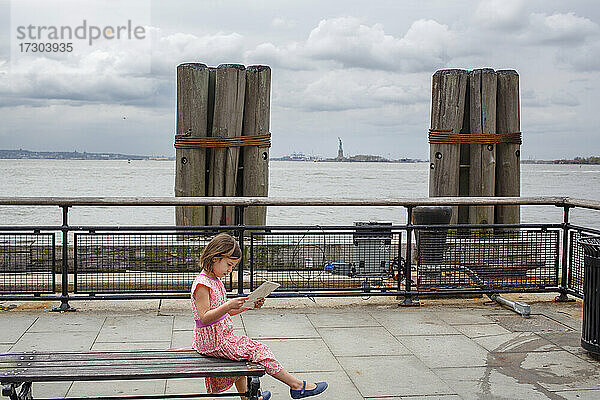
72 178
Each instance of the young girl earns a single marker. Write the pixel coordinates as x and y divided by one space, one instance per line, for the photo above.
214 336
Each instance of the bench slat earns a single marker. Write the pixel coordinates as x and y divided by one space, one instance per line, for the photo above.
165 364
95 374
119 365
101 355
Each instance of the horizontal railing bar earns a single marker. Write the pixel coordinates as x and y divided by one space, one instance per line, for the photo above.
487 226
118 228
349 293
267 228
291 201
29 297
13 228
378 292
574 293
549 289
583 203
584 229
210 228
233 228
294 294
186 295
368 228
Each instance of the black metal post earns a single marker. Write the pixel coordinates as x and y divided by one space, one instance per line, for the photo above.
562 297
253 387
74 263
240 223
408 301
400 266
251 262
64 297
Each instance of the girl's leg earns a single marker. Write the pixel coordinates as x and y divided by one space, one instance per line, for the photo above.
292 381
242 386
260 353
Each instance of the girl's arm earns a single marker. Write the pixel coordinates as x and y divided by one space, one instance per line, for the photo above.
207 316
236 312
257 304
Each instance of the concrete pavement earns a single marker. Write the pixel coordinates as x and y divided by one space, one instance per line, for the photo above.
366 349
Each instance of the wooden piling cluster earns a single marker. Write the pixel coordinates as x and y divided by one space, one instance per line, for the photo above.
222 140
475 141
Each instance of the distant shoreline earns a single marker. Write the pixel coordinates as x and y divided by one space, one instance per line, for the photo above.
74 155
330 160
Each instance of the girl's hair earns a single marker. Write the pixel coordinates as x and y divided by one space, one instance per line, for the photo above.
222 245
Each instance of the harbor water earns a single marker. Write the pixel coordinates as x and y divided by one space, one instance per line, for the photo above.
72 178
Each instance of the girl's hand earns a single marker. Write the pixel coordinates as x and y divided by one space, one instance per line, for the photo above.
259 303
236 304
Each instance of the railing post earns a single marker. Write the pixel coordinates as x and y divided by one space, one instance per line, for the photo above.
251 262
408 301
400 272
240 223
64 297
562 297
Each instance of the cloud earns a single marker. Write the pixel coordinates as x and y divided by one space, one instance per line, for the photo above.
115 74
170 50
279 22
343 90
95 77
522 27
571 39
502 15
562 98
583 58
120 74
346 42
352 44
342 64
560 29
576 39
333 75
289 56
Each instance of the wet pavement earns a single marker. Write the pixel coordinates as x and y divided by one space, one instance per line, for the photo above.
366 349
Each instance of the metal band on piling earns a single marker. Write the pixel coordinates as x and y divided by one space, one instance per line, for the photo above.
190 142
448 137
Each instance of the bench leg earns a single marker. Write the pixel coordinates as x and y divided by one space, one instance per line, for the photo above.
10 390
253 387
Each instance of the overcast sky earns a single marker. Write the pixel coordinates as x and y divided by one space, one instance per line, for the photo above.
359 70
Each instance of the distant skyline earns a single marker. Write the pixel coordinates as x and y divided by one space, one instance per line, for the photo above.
351 69
294 156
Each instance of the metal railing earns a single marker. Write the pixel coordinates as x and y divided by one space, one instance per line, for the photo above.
135 262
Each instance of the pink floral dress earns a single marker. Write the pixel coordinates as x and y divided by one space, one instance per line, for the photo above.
217 339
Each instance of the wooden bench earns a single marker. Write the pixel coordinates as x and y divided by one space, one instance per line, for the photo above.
18 371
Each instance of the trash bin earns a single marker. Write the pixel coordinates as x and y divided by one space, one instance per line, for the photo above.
431 244
590 331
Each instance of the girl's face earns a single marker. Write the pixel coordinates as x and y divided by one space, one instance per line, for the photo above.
223 266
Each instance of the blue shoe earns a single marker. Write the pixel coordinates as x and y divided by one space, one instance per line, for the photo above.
266 395
299 394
